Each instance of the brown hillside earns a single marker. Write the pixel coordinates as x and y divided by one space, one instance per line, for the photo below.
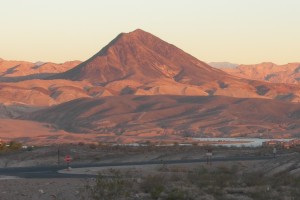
190 116
142 57
289 73
22 70
142 64
47 92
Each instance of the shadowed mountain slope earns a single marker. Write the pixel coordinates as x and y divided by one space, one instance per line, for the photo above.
179 115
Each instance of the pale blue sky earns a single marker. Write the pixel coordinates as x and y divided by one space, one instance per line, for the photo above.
239 31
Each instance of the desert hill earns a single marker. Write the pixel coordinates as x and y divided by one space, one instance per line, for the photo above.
23 70
221 65
175 115
47 92
288 73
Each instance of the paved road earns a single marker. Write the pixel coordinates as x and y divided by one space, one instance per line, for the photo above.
52 171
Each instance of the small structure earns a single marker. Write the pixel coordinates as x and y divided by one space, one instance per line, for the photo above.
271 143
274 152
282 144
209 155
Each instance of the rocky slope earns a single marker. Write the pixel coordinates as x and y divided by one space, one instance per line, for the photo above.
22 70
181 115
142 64
270 72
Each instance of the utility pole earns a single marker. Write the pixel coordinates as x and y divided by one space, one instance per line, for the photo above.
58 155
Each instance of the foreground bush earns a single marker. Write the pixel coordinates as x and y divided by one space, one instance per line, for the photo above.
173 184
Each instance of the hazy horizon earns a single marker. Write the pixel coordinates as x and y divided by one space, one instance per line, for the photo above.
243 32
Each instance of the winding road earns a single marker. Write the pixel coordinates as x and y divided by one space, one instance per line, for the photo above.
52 171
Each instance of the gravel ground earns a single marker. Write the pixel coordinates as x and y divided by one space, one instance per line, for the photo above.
41 189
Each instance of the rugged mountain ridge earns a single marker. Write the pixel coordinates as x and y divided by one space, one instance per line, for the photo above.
19 69
268 71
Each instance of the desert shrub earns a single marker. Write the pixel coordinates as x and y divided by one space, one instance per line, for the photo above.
154 185
296 182
176 144
225 176
101 144
215 191
148 143
119 131
195 144
264 195
199 177
295 193
163 168
92 146
13 145
254 179
171 183
178 194
30 148
111 187
221 177
2 146
80 143
284 179
10 146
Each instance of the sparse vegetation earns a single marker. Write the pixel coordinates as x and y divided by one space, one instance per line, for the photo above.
173 183
153 185
10 146
92 146
110 187
221 180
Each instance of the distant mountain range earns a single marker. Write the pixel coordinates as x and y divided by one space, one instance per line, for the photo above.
22 68
141 87
222 65
270 72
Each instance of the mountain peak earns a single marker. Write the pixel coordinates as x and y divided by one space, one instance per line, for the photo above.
137 34
142 57
139 31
